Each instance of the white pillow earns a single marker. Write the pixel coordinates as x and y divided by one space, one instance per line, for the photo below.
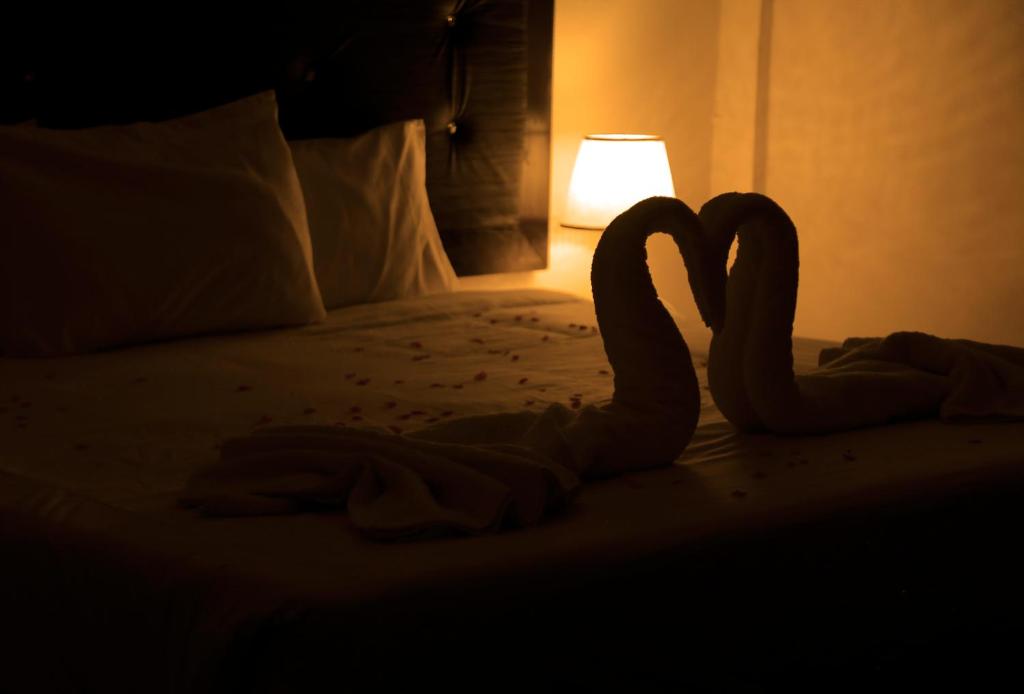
374 236
123 234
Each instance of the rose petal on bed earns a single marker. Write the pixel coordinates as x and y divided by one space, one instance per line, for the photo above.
515 357
739 494
350 375
447 413
480 376
416 413
355 409
603 372
534 319
416 345
437 385
575 404
404 417
583 327
493 321
544 339
243 389
357 349
457 386
399 382
523 380
362 381
390 405
529 402
309 410
421 357
572 325
139 379
476 340
518 318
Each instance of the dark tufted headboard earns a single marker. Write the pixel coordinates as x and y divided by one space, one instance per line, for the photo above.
477 71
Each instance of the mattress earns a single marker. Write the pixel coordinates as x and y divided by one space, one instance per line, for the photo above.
113 585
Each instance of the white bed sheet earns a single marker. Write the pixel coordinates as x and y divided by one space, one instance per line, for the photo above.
95 448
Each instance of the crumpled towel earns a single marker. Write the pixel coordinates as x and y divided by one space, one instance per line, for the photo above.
982 381
393 487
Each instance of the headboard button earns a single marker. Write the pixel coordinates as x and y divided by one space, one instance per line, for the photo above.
452 127
451 20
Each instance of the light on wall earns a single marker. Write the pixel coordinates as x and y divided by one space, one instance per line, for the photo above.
613 172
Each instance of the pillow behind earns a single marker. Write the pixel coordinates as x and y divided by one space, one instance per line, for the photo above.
374 236
123 234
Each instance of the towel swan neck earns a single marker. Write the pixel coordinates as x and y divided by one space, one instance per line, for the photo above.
656 401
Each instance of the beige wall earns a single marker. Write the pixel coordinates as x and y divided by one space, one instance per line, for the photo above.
645 66
891 130
895 139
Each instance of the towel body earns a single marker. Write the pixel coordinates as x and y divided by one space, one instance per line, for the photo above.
969 381
393 487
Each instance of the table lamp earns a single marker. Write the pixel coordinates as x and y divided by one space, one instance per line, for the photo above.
613 172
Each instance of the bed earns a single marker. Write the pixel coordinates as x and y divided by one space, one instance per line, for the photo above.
874 556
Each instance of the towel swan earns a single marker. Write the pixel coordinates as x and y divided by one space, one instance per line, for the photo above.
750 366
479 474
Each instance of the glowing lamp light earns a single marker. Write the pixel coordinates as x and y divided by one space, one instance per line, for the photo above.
612 173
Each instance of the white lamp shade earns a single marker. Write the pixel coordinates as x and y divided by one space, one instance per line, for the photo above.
612 173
